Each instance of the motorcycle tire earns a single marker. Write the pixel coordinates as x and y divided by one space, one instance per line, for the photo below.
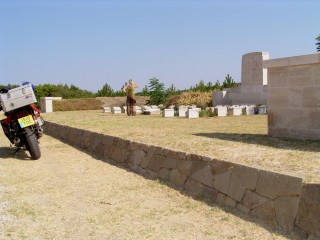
32 144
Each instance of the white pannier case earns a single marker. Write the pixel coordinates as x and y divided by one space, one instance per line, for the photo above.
17 97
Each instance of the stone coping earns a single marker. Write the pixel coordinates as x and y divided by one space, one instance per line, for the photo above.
291 61
52 98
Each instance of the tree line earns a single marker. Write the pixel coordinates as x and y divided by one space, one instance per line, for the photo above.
155 90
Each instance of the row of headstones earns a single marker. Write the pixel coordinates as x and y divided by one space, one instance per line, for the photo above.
193 111
153 109
183 111
220 111
238 110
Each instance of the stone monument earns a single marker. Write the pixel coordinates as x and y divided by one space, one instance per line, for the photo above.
294 97
253 89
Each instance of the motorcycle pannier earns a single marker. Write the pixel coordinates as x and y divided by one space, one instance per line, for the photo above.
17 97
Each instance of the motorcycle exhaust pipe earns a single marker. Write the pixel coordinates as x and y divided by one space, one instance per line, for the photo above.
40 131
16 141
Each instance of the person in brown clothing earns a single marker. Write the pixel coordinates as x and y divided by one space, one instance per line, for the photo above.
131 99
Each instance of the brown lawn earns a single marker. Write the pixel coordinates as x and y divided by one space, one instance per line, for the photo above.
241 139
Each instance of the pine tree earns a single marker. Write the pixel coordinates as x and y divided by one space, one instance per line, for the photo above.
318 43
157 92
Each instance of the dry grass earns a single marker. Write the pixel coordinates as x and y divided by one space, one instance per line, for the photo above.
240 139
77 104
68 194
202 99
93 103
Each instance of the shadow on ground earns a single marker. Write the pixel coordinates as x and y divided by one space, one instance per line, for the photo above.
9 152
271 228
260 139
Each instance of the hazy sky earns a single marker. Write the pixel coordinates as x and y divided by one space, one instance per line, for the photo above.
90 43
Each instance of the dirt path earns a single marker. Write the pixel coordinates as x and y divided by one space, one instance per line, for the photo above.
68 194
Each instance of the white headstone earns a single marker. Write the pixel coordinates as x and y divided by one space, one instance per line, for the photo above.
182 111
106 109
250 110
46 103
116 110
192 113
222 111
168 113
237 110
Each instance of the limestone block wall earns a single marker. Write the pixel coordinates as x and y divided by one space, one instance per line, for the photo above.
276 198
241 96
294 97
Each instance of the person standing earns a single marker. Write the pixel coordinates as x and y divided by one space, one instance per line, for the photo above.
131 99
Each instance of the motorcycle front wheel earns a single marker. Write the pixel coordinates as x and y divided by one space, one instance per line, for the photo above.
32 144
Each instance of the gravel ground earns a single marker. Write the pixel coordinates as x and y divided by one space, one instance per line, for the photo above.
68 194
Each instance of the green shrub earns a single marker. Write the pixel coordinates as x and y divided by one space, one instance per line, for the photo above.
211 113
207 113
203 113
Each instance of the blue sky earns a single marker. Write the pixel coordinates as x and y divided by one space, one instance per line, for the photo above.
90 43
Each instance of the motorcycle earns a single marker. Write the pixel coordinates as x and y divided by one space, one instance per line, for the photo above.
22 125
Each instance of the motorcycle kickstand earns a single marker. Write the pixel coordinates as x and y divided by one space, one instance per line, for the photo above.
16 151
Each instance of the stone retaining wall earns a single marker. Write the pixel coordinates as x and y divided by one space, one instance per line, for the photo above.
276 198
